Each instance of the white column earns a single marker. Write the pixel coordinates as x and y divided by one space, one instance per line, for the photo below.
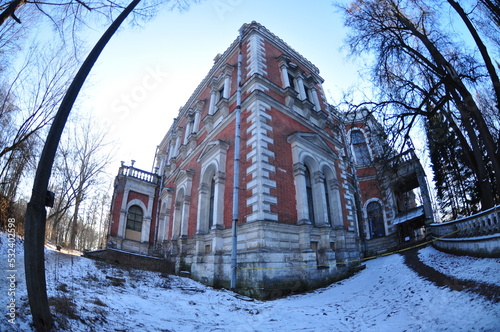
123 215
177 220
168 216
147 220
176 148
170 150
301 194
187 132
314 93
185 215
284 76
320 186
227 86
302 91
196 123
202 217
213 97
220 180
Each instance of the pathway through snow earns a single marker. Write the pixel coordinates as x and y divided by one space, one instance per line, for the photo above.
386 296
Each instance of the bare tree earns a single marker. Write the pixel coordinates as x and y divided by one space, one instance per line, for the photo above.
78 179
35 221
420 69
85 155
36 214
27 103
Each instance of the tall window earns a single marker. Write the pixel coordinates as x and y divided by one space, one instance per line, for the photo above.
327 200
212 204
375 219
360 148
179 214
134 218
291 79
221 94
309 190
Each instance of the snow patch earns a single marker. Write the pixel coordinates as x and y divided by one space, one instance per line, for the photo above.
386 296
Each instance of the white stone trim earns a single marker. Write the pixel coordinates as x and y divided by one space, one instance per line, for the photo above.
256 60
182 202
213 161
260 167
146 217
308 149
365 216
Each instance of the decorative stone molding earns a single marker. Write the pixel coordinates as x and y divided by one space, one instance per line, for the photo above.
256 60
311 152
213 172
260 168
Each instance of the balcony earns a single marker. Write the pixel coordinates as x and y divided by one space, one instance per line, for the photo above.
132 172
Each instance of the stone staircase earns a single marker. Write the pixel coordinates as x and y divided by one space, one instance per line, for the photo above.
381 245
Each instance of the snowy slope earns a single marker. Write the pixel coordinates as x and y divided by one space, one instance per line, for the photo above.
386 296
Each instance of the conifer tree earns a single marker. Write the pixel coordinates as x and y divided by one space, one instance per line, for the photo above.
456 184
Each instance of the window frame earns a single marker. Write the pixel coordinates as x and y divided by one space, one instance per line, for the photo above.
376 225
360 148
134 221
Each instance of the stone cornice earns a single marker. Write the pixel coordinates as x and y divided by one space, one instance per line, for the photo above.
222 59
256 27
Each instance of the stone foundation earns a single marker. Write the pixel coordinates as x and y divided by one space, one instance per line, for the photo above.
274 259
135 247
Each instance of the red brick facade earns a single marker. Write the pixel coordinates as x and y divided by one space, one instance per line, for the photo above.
297 193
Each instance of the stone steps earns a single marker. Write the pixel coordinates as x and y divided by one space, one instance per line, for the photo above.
381 245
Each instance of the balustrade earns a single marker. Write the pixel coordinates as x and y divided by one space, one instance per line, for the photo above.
133 172
484 223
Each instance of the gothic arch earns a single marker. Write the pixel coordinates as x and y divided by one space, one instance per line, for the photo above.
210 212
375 217
145 218
312 157
210 199
332 196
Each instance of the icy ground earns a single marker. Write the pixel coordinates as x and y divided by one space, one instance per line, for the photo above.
386 296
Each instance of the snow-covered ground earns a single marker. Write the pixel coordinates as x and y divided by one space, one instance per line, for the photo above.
386 296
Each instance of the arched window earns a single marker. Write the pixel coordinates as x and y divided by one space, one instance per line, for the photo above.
361 152
134 223
375 219
178 214
309 191
210 211
134 218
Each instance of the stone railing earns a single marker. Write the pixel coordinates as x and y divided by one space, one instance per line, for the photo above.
477 235
136 173
402 158
483 223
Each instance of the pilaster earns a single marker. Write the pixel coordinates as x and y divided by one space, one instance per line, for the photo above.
260 167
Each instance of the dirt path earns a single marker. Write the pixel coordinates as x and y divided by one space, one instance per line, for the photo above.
489 291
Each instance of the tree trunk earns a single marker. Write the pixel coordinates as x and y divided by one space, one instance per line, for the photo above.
35 213
482 49
465 103
73 226
10 11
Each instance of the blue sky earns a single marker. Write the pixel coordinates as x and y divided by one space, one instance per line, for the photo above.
146 74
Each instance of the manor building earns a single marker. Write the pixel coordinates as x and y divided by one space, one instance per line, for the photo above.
311 201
